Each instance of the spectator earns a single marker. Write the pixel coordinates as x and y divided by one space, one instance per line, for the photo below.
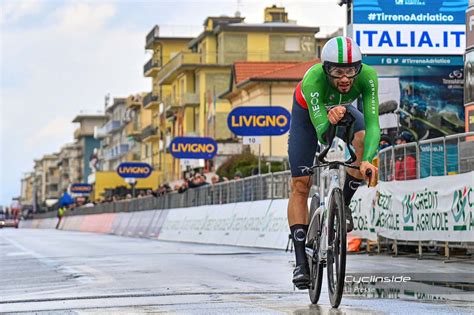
184 187
405 165
214 179
238 175
385 142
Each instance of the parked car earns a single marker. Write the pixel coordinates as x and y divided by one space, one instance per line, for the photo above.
4 222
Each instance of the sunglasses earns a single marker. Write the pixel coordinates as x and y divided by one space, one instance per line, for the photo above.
348 72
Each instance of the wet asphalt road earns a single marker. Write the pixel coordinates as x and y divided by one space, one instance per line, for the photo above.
60 272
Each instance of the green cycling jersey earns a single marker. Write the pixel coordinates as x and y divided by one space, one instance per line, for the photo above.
320 95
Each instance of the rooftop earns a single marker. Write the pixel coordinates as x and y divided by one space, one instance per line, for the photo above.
244 72
84 116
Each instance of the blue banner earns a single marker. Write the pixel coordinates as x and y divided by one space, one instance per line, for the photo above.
193 148
81 188
259 120
409 11
411 61
134 170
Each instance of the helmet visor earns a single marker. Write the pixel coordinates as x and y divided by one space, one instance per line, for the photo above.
339 72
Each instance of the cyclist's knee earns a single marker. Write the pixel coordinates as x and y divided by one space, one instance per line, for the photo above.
300 186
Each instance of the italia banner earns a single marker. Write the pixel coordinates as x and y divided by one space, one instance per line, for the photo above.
433 208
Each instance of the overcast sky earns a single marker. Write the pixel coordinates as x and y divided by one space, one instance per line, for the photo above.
58 58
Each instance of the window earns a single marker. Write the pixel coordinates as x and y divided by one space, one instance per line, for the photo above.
292 44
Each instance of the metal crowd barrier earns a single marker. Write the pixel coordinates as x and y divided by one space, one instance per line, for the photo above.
259 187
435 157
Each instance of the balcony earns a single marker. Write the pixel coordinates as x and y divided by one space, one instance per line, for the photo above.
150 133
171 104
151 68
133 129
185 61
134 101
150 37
116 152
109 127
189 99
99 133
79 133
53 180
151 101
134 157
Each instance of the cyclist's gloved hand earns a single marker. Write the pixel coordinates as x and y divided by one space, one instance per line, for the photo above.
364 166
335 114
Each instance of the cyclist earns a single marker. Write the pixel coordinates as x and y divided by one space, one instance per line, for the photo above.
323 97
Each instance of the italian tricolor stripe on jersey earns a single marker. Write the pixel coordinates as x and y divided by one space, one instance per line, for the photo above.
344 50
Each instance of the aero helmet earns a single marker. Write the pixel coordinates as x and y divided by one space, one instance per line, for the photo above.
341 52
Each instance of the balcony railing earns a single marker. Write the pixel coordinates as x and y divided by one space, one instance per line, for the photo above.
181 59
116 151
149 131
110 126
150 66
189 99
150 37
150 99
170 103
53 180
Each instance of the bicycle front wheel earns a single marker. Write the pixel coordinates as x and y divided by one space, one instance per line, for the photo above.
315 265
336 254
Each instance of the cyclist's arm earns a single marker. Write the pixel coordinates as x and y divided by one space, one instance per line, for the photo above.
371 115
312 91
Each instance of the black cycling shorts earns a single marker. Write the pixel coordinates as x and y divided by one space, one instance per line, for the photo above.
302 139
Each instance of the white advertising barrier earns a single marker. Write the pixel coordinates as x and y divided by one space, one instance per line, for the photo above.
185 224
432 208
362 206
249 221
255 224
156 224
218 224
25 224
146 217
274 228
124 221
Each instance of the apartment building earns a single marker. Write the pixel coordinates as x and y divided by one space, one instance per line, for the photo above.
89 145
70 165
114 143
187 85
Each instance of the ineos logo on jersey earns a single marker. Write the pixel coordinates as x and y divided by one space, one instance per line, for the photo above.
315 104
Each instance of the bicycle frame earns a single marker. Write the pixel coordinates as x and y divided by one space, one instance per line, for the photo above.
333 175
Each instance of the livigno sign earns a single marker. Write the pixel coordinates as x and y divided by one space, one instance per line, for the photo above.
193 148
81 188
259 121
134 170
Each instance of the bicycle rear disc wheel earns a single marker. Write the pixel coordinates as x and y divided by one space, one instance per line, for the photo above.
336 254
315 266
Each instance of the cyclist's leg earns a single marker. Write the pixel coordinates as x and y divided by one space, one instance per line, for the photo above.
353 177
302 146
